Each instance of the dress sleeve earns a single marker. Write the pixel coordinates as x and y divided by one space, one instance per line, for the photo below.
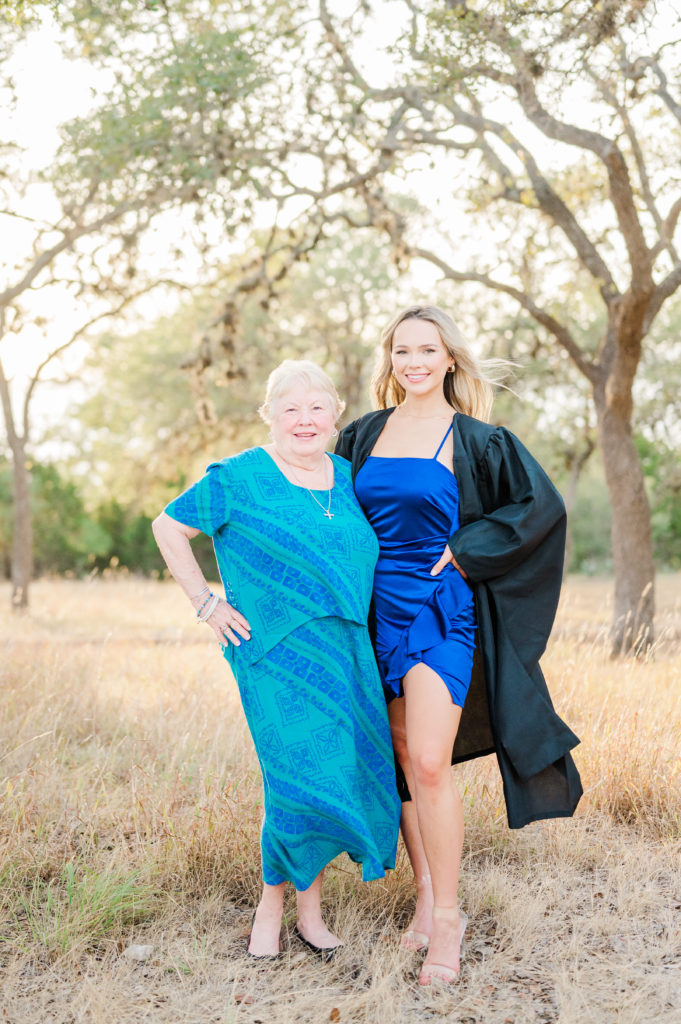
204 506
521 507
346 441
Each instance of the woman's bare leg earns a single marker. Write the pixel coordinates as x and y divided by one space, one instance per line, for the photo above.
418 932
267 921
310 922
432 721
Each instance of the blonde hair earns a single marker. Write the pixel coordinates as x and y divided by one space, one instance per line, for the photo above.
298 371
468 389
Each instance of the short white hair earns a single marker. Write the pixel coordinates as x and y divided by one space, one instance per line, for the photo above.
298 371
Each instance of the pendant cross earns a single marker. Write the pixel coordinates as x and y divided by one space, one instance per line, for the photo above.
329 515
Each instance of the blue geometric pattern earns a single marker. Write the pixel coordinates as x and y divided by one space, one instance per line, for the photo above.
308 680
285 563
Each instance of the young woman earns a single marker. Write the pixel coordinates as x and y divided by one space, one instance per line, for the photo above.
471 535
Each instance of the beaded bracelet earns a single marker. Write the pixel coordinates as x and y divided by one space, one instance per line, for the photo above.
214 599
199 610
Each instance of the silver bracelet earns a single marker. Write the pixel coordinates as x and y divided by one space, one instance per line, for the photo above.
212 605
194 596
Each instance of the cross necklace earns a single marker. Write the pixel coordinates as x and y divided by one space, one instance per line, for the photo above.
327 511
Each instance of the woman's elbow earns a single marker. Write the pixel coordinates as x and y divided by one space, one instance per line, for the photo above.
159 526
165 528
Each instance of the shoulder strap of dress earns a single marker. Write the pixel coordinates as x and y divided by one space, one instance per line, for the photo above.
443 441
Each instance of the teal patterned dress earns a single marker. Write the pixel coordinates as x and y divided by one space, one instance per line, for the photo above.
308 680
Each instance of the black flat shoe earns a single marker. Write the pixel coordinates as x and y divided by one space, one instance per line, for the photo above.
327 953
259 956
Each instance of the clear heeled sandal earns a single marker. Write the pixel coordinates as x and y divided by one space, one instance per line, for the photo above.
439 972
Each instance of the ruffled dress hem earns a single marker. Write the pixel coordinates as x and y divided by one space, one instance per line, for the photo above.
372 870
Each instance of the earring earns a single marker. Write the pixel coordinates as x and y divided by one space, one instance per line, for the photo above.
334 433
452 368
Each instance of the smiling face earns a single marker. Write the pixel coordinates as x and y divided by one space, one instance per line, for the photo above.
419 358
302 420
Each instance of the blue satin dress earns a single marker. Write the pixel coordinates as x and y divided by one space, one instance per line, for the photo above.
413 506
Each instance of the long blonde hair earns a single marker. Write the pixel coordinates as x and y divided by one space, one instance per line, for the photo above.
468 389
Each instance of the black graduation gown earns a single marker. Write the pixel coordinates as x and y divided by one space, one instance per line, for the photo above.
511 545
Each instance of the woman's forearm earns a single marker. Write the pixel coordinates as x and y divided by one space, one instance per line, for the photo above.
173 539
174 542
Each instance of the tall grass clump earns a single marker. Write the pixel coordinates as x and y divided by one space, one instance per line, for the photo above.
80 908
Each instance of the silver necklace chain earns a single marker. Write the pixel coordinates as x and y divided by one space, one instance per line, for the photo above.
327 511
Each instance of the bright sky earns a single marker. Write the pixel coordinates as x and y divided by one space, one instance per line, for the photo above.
74 88
33 125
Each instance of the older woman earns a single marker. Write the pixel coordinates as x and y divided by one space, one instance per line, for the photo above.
296 556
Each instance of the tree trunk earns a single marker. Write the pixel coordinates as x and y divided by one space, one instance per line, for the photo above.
22 539
632 546
22 534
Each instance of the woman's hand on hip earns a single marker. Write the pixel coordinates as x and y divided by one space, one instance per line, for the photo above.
228 624
445 558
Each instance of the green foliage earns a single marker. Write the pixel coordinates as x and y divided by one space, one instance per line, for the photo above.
22 13
131 544
589 524
70 539
143 138
149 426
83 906
65 538
194 107
590 518
663 475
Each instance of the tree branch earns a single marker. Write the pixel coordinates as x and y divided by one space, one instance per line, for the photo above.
74 337
23 216
621 191
646 188
542 316
667 230
634 70
347 64
72 235
664 289
255 275
412 94
549 200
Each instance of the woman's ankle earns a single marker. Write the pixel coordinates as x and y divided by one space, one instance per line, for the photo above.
271 903
309 918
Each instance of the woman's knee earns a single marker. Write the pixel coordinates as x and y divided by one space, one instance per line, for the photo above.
430 768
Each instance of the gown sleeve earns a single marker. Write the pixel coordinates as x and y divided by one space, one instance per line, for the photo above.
204 506
521 507
346 441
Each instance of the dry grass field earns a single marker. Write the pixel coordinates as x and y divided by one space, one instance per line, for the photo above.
131 809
